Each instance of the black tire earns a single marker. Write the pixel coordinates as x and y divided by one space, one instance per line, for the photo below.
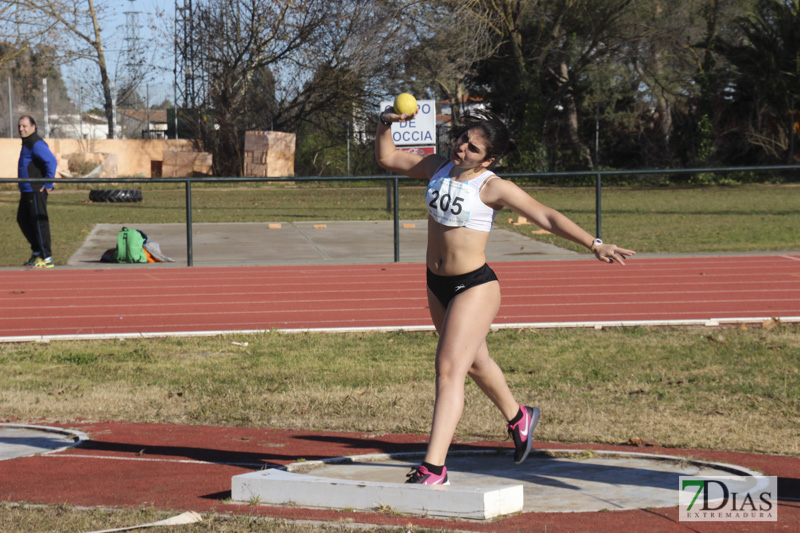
115 195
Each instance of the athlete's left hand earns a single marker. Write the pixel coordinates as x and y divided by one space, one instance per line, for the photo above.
610 253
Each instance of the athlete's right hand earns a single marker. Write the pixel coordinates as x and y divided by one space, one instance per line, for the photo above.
390 116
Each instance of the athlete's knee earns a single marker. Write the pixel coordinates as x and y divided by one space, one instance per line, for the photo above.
449 370
483 367
475 371
446 371
482 360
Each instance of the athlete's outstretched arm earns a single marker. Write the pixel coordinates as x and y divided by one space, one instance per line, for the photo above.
502 193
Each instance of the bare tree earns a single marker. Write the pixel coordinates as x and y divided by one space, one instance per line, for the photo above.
15 41
284 64
451 38
78 25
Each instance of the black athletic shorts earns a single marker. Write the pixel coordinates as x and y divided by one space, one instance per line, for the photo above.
445 288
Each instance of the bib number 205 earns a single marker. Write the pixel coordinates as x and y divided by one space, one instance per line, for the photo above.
446 203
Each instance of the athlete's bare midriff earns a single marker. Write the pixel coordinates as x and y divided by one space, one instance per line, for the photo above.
455 250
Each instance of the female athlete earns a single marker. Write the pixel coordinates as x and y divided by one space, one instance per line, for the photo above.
463 198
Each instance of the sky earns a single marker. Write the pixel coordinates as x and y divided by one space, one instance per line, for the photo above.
152 33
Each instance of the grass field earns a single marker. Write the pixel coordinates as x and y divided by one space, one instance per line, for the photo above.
729 389
681 387
732 389
664 220
67 519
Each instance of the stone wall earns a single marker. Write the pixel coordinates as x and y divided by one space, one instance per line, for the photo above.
267 154
134 157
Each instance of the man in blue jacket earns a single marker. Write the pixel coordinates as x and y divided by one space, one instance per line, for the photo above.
36 161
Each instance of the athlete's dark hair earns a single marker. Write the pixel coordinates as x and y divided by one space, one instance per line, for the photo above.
499 141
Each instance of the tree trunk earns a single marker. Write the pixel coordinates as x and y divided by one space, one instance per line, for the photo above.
108 98
571 110
512 13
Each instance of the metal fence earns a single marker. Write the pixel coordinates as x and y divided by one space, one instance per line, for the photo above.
392 188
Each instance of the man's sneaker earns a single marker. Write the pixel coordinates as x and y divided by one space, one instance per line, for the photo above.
423 476
31 261
40 263
522 432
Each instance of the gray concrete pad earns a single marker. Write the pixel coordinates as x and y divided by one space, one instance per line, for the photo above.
551 481
276 243
279 487
17 440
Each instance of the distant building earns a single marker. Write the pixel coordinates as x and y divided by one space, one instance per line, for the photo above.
75 126
144 123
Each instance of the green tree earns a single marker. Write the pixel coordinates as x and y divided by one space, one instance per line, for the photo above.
766 58
538 78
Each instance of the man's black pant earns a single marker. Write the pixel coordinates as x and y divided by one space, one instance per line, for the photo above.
34 223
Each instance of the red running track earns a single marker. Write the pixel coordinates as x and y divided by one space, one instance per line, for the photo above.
154 300
128 465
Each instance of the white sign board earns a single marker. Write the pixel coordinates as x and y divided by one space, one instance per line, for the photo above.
419 131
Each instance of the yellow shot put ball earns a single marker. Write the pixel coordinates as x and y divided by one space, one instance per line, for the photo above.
405 104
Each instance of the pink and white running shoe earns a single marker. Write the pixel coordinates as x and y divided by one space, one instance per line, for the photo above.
423 476
522 432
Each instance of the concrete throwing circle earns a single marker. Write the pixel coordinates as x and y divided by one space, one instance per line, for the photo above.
552 480
17 440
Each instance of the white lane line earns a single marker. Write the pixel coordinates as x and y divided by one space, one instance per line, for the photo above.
709 322
145 459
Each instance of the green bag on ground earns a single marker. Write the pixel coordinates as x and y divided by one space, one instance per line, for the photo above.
130 246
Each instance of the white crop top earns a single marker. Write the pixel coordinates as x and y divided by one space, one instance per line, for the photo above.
458 204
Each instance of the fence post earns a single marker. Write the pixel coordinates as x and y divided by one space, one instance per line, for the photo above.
189 253
791 129
10 112
598 209
46 125
396 187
